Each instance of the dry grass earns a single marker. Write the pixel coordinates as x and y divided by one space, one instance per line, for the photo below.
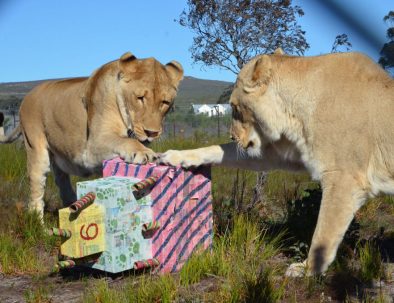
246 263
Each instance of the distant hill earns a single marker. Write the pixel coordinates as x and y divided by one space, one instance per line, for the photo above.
194 90
191 90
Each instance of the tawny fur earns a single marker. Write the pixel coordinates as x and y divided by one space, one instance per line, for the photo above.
73 125
331 115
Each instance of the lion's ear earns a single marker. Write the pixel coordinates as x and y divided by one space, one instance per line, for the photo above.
279 51
262 70
126 64
127 57
175 71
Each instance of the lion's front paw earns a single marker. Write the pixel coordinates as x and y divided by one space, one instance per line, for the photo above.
296 270
183 158
142 157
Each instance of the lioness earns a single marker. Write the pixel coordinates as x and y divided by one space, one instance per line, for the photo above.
73 125
331 115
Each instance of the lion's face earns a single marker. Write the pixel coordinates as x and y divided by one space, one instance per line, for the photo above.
243 127
258 117
149 89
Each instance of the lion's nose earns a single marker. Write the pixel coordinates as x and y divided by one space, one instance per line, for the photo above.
151 133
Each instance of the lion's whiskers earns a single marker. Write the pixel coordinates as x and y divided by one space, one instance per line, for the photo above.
240 151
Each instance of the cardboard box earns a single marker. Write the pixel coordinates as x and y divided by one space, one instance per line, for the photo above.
166 222
181 202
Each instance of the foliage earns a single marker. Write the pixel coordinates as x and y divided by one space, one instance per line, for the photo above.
146 289
225 96
237 261
371 266
20 243
38 295
244 264
341 41
183 125
239 258
9 101
229 33
387 52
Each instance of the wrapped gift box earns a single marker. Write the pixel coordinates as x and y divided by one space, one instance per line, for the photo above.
117 227
141 216
180 202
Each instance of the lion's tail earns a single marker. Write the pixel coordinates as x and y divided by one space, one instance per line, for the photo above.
11 137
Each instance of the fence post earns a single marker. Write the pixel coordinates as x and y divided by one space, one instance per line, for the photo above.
216 107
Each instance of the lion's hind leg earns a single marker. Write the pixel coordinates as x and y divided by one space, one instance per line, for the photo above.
342 197
38 168
62 180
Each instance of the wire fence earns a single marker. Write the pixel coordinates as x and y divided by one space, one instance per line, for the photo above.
186 125
178 124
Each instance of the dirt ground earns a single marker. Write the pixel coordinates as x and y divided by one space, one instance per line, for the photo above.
14 289
71 285
67 286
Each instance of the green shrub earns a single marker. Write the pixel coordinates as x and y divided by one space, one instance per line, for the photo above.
146 289
239 258
371 266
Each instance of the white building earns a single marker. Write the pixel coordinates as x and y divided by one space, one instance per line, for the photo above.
211 109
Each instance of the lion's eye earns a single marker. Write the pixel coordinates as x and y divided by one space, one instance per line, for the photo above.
165 102
141 99
236 113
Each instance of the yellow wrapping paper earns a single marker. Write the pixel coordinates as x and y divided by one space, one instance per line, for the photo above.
88 231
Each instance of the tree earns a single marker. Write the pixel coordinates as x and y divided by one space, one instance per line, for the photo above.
341 40
387 53
229 33
225 95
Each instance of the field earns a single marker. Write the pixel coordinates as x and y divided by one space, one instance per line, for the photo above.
258 233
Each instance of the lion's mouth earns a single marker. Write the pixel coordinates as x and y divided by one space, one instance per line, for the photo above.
134 135
146 143
145 140
250 145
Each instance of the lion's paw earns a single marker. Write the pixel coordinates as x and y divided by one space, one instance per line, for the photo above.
180 158
37 207
296 270
142 157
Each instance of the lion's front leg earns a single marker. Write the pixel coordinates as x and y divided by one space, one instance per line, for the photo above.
227 155
193 157
131 150
342 197
139 156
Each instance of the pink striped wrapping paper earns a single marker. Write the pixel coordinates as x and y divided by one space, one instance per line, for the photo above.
181 202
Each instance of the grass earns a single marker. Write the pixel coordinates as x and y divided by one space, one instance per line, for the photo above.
247 260
38 295
237 262
21 246
145 289
371 266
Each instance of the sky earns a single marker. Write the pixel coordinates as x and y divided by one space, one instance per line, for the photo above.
45 39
